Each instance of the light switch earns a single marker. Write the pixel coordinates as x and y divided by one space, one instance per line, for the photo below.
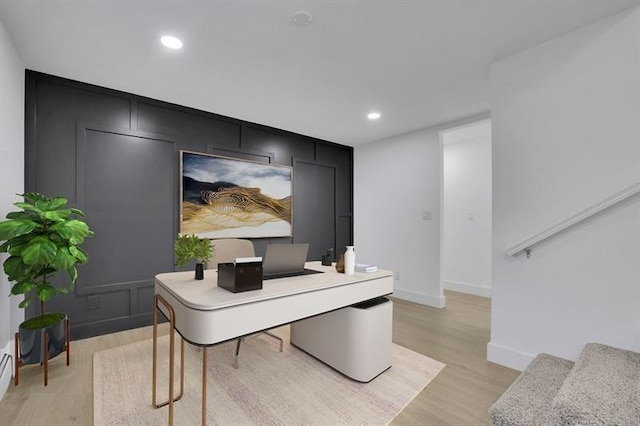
426 215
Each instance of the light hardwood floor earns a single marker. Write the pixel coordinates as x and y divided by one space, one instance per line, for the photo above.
456 335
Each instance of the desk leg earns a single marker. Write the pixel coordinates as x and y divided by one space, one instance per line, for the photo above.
156 300
204 386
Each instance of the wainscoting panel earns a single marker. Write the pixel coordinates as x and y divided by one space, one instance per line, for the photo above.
194 129
115 155
127 186
284 145
314 219
54 107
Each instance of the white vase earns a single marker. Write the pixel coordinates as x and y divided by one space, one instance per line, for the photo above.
349 261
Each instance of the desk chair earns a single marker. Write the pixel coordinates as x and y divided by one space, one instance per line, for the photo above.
227 250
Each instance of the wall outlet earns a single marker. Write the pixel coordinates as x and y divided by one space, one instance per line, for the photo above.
93 302
426 215
396 275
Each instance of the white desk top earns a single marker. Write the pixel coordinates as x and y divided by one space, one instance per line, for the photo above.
205 294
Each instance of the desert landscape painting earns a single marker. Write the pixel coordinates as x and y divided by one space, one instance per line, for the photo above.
230 198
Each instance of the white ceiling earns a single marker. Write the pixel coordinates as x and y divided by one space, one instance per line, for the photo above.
418 62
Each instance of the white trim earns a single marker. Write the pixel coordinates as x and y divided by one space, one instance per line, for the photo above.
576 218
475 289
7 373
441 217
423 299
462 287
469 124
508 357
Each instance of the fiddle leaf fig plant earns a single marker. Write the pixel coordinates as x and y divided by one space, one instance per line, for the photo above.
189 248
42 239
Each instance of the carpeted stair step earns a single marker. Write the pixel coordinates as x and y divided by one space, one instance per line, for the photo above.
603 388
528 400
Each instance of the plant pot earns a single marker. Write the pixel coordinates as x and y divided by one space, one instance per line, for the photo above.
41 338
199 271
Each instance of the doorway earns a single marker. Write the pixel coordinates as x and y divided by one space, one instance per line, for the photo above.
465 247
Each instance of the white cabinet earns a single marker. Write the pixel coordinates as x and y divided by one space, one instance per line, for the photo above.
355 340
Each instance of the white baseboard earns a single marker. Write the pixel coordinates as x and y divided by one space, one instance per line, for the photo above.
462 287
6 368
508 357
423 299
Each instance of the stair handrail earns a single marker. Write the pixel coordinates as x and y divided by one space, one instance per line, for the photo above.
526 244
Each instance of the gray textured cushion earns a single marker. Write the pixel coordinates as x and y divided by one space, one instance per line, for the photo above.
603 388
528 400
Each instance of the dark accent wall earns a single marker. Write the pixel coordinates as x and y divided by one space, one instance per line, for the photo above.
116 156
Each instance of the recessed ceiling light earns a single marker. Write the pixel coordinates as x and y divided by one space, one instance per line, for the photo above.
302 18
171 42
373 115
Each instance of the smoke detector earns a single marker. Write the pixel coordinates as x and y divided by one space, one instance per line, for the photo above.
302 18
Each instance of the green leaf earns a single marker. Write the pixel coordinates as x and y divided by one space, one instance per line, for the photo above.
18 244
189 247
27 206
15 227
55 203
73 274
77 212
42 204
24 303
65 212
64 259
15 268
16 249
74 230
46 292
79 254
63 290
33 196
53 216
40 251
20 215
22 287
14 246
45 271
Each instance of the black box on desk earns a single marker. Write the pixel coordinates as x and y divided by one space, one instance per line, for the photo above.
240 277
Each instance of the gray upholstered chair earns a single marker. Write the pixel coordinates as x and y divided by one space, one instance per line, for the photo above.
227 250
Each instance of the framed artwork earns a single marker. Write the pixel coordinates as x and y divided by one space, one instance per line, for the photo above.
222 197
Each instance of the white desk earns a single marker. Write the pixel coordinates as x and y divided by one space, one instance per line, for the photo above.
205 314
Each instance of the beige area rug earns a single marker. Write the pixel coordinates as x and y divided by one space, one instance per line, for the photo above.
269 387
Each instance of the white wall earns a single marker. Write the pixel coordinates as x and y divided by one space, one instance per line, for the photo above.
466 246
397 181
566 135
11 169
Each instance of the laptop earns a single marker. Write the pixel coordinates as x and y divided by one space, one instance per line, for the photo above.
285 260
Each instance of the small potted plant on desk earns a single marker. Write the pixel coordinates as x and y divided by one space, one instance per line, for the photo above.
41 240
189 248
